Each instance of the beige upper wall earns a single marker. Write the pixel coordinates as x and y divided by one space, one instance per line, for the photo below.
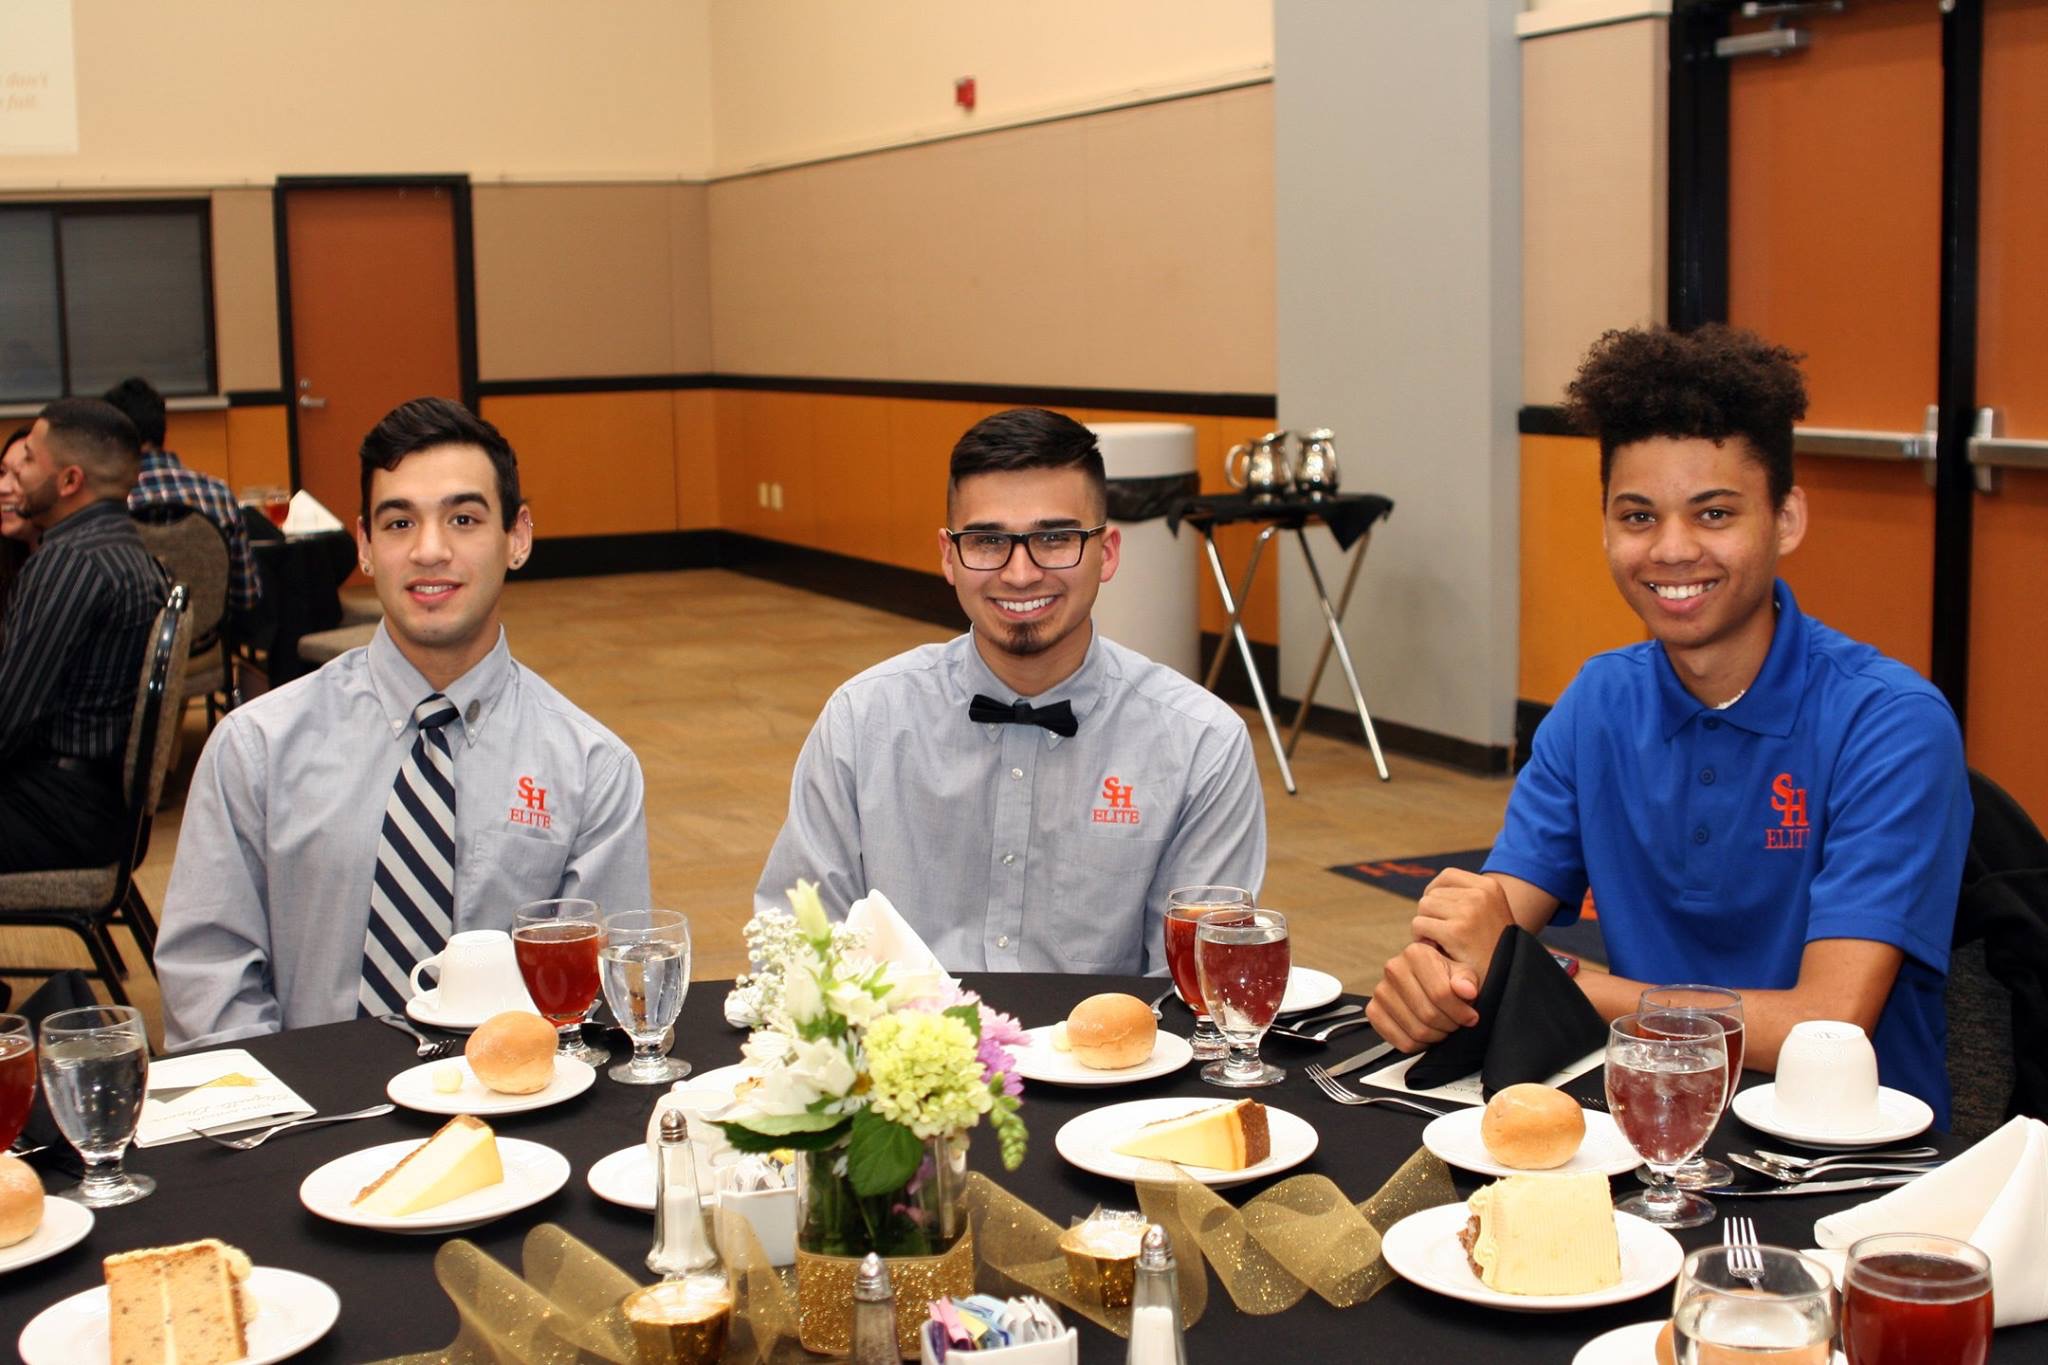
800 79
222 92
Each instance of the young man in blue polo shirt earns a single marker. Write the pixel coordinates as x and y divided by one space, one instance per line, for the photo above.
1758 801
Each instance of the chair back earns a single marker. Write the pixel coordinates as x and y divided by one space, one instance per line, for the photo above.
195 551
159 699
1998 974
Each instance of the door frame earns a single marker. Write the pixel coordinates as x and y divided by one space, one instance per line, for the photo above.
465 279
1697 256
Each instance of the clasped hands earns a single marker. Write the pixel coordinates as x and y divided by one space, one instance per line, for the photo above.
1427 989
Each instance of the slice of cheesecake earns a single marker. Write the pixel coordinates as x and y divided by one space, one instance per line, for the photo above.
1222 1137
1543 1234
178 1305
460 1158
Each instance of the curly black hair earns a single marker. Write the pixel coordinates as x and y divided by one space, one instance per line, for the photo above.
1713 382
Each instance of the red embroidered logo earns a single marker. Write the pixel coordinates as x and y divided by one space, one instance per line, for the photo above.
533 809
1116 807
1790 803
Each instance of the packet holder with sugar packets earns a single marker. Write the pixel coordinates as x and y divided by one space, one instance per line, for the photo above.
956 1322
1064 1349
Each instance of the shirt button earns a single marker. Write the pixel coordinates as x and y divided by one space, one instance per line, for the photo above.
1016 774
1009 858
1707 777
1002 940
1713 724
1699 836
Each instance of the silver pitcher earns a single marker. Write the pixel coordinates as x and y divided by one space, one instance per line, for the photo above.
1316 470
1262 467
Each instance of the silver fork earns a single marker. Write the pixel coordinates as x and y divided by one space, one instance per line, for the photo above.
243 1142
1337 1091
432 1049
1745 1253
1886 1154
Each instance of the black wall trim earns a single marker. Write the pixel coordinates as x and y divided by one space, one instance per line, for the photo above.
616 383
1696 290
649 552
1955 496
255 398
1544 419
1263 405
885 587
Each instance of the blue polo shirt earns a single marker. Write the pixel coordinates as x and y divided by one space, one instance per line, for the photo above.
1831 801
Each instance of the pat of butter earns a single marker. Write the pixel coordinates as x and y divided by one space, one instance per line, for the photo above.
1059 1038
448 1078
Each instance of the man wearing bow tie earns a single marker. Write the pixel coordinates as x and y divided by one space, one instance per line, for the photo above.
1028 793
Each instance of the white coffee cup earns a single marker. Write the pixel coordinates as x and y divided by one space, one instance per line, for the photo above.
479 975
1827 1079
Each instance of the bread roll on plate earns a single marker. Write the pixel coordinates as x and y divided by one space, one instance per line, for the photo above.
1532 1127
1111 1032
21 1201
513 1053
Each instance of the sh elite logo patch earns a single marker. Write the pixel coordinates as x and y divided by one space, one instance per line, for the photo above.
530 806
1790 803
1117 807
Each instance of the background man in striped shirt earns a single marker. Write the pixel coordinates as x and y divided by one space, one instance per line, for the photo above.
76 632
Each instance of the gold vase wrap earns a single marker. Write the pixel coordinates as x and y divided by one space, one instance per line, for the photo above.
824 1294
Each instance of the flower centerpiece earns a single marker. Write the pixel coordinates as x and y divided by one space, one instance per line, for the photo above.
873 1074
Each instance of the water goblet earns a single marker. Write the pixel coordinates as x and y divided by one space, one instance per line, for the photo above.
1242 958
17 1076
95 1068
1700 1172
645 964
1909 1298
555 943
1765 1303
1667 1075
1184 907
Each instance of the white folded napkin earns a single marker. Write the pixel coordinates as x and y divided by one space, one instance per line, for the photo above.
1994 1196
890 937
227 1090
306 516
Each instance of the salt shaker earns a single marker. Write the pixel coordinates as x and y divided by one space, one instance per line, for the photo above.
681 1246
874 1315
1155 1305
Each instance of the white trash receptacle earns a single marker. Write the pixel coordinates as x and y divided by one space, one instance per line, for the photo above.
1151 605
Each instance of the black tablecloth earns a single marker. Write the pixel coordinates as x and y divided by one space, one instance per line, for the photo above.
302 578
391 1303
1348 515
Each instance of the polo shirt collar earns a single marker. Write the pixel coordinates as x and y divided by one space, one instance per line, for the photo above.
1081 689
399 686
1771 705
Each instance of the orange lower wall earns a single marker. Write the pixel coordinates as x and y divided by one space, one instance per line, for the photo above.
1570 609
245 446
1867 565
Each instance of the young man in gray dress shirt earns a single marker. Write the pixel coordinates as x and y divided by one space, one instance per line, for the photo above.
284 858
1027 794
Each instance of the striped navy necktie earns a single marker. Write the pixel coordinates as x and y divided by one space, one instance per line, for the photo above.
412 899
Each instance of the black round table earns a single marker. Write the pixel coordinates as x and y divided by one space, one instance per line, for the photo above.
391 1303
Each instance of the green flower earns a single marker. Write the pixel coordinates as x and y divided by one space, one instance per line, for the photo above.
923 1073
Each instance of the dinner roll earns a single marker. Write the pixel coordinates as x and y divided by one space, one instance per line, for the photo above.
513 1053
1111 1032
1532 1127
21 1201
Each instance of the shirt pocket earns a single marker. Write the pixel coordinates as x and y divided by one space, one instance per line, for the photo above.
521 867
1099 911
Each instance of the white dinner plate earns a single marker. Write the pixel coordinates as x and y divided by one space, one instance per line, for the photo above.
625 1177
726 1078
414 1088
1455 1138
1087 1141
532 1173
425 1008
292 1312
1309 989
1423 1248
1039 1060
64 1227
1899 1116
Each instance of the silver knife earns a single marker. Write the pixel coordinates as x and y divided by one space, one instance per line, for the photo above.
1365 1058
1778 1172
1867 1182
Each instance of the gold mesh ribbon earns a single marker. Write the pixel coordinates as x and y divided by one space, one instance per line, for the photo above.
824 1292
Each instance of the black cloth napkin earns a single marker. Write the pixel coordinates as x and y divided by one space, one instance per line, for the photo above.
66 990
1348 515
1533 1022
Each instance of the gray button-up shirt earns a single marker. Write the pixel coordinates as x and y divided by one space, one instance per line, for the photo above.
269 899
1010 848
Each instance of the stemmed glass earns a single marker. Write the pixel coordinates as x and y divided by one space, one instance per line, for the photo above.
1724 1006
1242 957
17 1076
1667 1075
1183 908
1766 1302
555 943
95 1065
645 963
1911 1297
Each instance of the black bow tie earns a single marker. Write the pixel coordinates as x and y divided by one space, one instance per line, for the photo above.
1058 717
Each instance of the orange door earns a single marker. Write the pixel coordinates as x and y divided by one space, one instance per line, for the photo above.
374 319
2009 540
1834 249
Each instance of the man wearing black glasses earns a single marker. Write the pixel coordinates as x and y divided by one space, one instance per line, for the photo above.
1028 793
